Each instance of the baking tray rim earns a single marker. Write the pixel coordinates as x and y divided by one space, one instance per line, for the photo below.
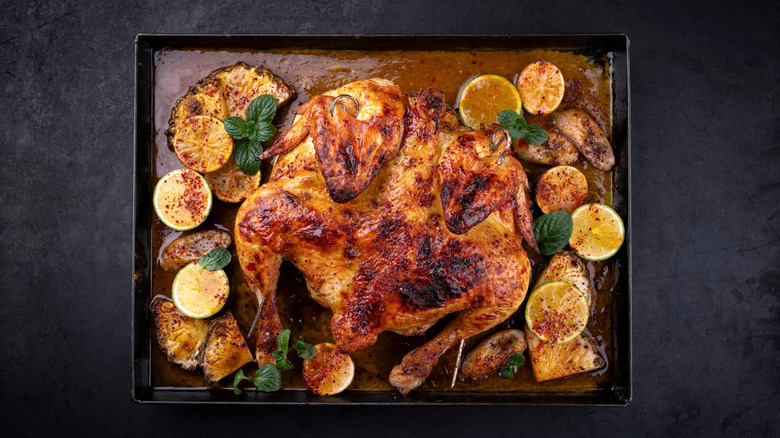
147 44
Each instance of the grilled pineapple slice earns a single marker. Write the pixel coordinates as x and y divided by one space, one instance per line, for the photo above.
566 266
204 99
553 361
225 350
227 92
241 83
180 337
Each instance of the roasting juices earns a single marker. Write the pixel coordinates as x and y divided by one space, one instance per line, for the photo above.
314 72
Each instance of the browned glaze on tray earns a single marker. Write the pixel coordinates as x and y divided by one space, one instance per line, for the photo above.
314 72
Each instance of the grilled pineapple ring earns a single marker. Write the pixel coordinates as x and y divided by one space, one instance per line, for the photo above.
227 92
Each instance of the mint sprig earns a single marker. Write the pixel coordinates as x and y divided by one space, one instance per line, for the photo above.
303 348
552 231
508 371
250 133
269 378
520 129
215 259
266 379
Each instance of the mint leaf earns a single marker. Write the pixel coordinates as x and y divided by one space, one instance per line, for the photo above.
261 109
506 372
236 127
552 231
279 355
246 153
215 259
517 360
264 131
507 118
283 341
237 378
535 135
304 349
268 378
284 365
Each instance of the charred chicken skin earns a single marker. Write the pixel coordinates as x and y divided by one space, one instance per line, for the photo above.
395 216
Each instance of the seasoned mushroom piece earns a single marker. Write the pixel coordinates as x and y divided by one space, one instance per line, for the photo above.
553 152
225 350
586 134
190 248
180 337
491 354
566 266
553 361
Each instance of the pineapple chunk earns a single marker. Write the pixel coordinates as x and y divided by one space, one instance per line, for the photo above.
241 83
553 361
225 350
180 337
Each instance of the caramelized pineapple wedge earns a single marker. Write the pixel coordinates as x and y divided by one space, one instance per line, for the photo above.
204 99
566 266
227 92
553 361
189 248
225 350
241 83
180 337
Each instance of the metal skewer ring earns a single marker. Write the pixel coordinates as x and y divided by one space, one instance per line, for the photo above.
342 96
494 145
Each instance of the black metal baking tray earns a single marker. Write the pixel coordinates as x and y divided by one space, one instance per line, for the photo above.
616 45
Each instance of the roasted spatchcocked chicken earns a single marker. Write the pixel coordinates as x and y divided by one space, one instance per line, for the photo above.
396 216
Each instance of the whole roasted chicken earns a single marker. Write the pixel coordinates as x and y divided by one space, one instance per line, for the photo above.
396 216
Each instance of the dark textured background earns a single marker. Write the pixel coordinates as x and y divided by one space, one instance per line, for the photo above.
706 189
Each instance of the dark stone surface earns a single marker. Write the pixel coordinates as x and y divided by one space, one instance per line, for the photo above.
706 189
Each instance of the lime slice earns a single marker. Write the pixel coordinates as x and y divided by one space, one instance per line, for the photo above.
541 87
556 312
198 292
484 97
182 199
598 232
202 144
330 371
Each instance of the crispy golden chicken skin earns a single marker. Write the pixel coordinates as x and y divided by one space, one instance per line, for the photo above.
387 259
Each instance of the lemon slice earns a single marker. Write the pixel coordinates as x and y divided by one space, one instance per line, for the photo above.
541 87
556 312
198 292
598 232
202 144
182 199
330 371
484 97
